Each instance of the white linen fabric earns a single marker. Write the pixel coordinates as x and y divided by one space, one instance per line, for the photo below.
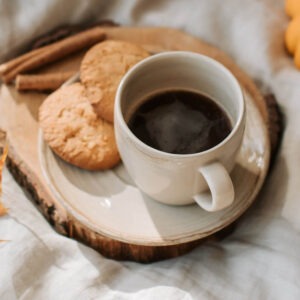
260 260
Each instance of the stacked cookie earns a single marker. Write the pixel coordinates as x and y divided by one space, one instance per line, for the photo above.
77 120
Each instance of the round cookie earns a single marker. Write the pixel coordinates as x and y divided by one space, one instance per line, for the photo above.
74 131
102 69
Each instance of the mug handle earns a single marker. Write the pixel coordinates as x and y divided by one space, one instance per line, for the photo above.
221 193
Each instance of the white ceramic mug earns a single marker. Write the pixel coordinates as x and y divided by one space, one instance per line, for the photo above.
180 179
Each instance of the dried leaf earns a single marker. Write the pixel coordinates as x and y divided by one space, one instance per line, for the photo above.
3 210
2 163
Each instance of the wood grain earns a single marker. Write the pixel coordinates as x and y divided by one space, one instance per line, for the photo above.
19 121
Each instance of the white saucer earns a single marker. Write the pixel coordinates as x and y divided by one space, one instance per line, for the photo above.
110 204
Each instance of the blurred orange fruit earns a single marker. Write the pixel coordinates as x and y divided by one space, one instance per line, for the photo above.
292 35
297 55
292 8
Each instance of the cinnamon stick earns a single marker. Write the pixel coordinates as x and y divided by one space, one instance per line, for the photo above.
42 82
57 51
8 66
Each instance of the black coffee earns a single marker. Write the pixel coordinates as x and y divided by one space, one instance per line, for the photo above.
180 122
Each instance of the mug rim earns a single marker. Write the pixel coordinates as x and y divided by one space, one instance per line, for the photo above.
119 118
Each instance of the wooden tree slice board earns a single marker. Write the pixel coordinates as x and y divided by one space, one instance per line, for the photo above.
19 120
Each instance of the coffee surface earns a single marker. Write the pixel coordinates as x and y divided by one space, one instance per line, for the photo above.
180 122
